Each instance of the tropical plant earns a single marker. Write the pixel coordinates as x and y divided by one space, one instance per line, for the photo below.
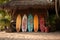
4 19
4 1
52 22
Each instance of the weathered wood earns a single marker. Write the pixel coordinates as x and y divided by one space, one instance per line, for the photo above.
24 4
56 8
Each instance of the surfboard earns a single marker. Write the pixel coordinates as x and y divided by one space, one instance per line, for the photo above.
35 23
18 23
42 25
30 23
24 23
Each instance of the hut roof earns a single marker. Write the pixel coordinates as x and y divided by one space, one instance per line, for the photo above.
28 4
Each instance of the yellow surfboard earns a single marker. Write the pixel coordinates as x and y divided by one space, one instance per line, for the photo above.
35 23
18 23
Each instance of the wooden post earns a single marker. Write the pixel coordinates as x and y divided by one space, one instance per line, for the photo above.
56 9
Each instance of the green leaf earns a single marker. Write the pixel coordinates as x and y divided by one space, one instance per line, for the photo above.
4 19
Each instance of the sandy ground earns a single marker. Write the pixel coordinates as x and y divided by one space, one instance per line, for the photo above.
30 36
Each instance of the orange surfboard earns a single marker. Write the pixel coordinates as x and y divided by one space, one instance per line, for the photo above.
35 23
18 23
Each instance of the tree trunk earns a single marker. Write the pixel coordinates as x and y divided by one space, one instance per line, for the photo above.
56 9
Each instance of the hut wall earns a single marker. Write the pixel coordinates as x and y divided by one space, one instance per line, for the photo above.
39 12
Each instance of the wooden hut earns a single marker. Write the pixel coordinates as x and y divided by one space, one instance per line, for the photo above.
39 7
27 6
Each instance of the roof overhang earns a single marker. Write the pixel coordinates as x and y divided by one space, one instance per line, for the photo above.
23 4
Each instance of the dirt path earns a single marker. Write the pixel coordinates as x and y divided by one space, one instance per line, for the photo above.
30 36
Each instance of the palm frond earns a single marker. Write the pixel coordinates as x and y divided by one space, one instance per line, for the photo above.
2 12
4 18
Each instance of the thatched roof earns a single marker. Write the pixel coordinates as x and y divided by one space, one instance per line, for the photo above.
22 4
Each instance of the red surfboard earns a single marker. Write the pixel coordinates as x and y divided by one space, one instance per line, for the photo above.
42 24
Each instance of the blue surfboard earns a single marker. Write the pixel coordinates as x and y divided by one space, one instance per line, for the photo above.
30 23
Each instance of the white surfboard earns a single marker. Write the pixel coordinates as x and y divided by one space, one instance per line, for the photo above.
24 23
